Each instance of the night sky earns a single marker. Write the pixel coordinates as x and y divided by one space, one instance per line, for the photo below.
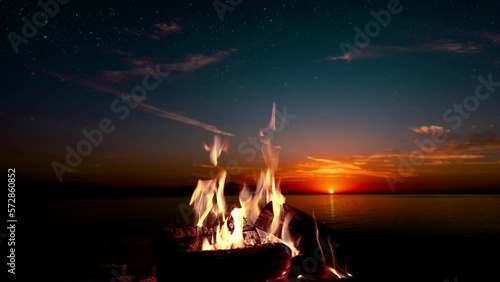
371 96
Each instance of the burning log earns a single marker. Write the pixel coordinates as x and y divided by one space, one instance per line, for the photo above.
303 228
316 260
193 235
173 251
180 247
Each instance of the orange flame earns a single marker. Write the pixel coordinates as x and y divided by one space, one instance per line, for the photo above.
228 230
333 269
228 233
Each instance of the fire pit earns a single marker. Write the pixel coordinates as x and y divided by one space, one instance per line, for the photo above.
259 263
180 248
260 239
267 260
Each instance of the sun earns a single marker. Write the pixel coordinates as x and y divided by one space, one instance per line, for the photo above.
331 191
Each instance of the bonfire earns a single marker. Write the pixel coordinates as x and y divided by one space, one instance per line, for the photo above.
260 239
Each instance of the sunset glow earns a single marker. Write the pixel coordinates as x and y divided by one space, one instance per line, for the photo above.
407 113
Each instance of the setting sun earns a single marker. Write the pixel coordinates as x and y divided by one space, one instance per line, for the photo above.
331 191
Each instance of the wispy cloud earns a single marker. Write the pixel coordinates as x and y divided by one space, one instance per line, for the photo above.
451 41
478 145
158 30
315 168
483 36
184 119
440 46
473 148
430 129
491 36
119 52
139 68
449 46
197 61
162 29
368 52
190 63
371 51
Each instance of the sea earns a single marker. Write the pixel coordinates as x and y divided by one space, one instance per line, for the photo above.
383 237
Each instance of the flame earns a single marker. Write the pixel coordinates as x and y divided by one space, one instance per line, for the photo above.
202 200
208 199
228 233
333 268
250 203
216 149
227 230
287 237
237 235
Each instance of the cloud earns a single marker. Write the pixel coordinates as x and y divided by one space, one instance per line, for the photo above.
370 51
431 129
450 46
487 141
163 29
492 144
158 30
119 52
473 148
378 165
139 68
315 168
92 84
491 36
478 35
439 46
454 157
473 141
181 118
197 61
190 63
121 75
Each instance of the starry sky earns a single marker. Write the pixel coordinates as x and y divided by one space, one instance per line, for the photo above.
370 96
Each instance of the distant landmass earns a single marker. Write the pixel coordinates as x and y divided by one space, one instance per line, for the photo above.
46 190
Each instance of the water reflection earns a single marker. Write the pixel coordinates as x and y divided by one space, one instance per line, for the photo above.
471 215
332 208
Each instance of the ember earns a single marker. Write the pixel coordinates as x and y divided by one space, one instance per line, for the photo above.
257 241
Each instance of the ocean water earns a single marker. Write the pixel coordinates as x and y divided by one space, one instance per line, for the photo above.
447 215
439 215
382 237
